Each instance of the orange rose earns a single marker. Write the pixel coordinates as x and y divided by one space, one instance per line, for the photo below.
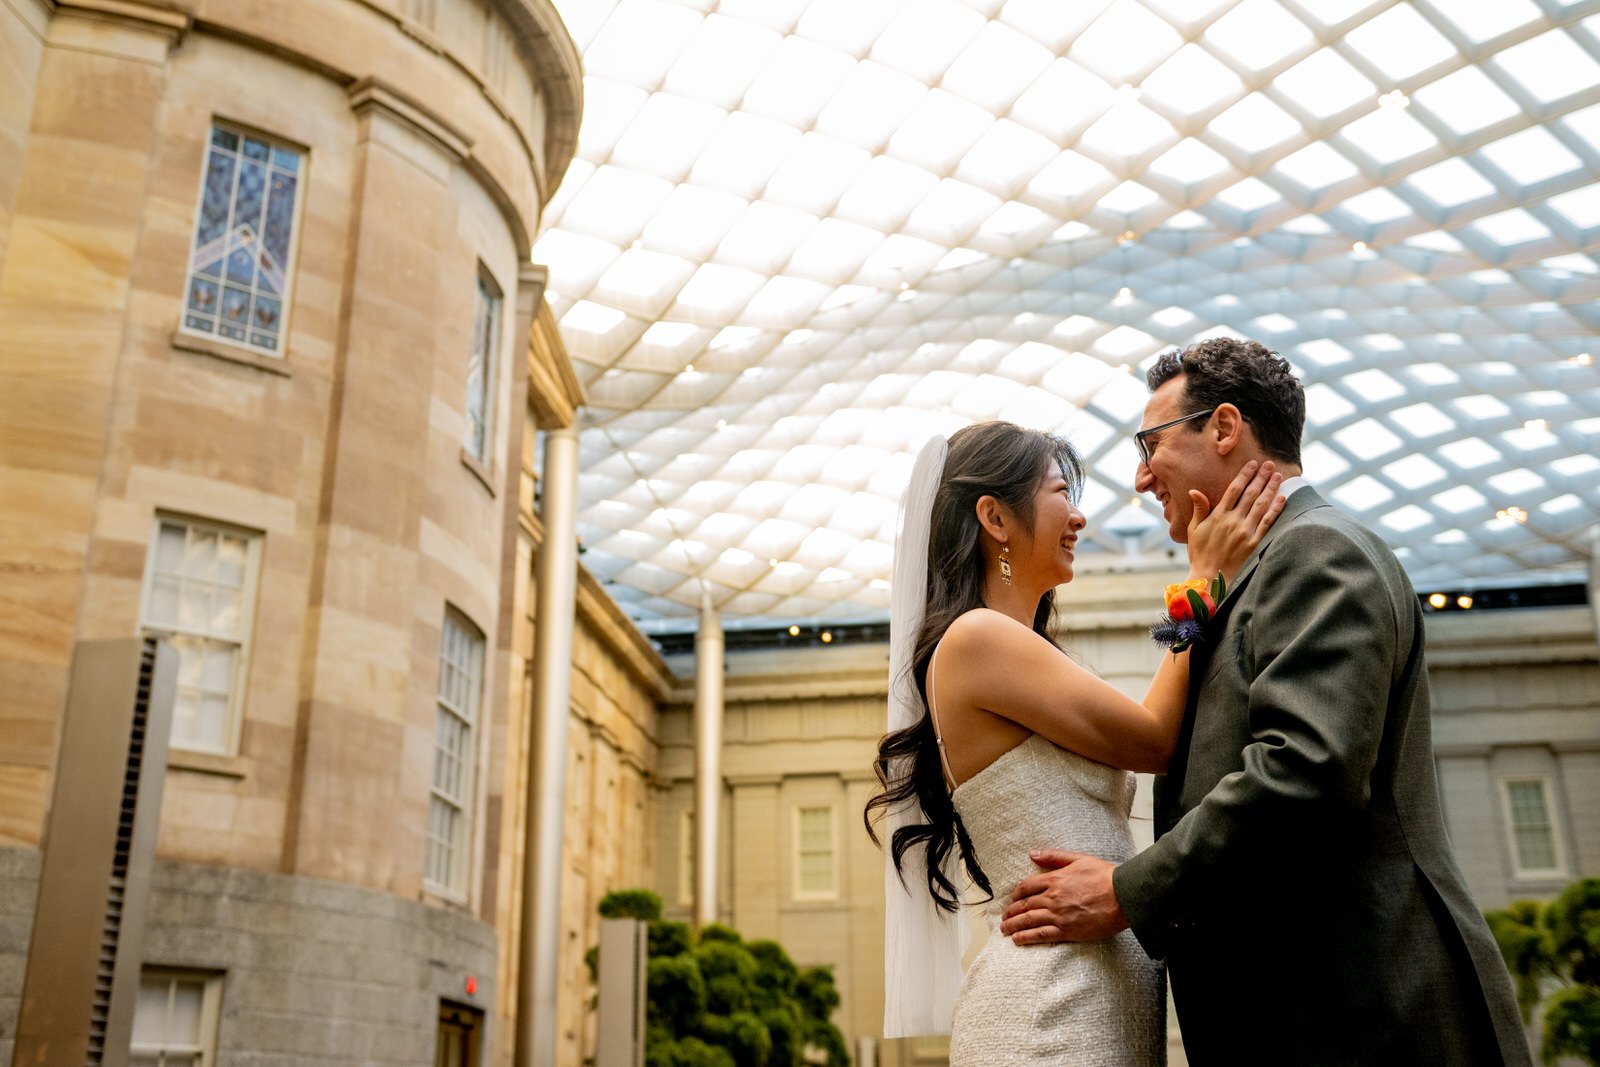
1178 606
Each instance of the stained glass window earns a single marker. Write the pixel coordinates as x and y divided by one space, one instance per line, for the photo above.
454 755
481 368
238 286
200 595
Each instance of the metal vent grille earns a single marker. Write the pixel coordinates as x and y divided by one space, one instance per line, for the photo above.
117 888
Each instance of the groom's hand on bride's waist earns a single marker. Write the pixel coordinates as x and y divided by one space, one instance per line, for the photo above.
1072 899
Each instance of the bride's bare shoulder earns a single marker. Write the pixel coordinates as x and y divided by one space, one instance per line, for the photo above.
981 631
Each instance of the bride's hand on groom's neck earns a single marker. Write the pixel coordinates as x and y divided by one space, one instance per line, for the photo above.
1221 539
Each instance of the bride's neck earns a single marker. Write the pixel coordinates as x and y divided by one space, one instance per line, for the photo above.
1016 600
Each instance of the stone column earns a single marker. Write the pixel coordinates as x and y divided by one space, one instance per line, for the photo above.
72 211
538 969
1594 578
707 759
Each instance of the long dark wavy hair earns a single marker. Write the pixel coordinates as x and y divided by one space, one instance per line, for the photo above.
1006 462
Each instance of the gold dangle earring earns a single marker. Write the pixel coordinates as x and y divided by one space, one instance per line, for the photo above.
1005 564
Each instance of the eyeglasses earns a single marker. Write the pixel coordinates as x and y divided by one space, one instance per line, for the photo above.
1141 440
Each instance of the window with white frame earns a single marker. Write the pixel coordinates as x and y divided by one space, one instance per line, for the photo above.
686 856
481 368
175 1019
239 266
200 594
446 867
1535 842
814 852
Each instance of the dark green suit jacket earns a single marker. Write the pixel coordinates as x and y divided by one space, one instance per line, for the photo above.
1302 889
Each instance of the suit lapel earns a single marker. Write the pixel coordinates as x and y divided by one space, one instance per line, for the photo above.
1170 786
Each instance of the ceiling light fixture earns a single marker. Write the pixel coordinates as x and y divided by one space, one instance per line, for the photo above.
1394 100
1463 602
1513 513
1438 600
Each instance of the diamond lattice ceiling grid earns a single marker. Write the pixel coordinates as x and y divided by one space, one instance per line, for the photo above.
801 237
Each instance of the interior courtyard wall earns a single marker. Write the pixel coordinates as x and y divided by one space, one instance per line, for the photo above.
425 151
1514 692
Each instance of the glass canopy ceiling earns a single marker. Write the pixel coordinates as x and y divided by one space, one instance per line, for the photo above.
800 237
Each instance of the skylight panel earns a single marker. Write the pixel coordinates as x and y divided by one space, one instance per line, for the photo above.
721 60
1407 518
1321 463
1333 12
1581 206
742 156
1550 66
1064 98
669 133
816 174
616 204
957 258
1422 420
1467 100
1511 227
1128 198
1480 21
1185 11
1414 471
1324 405
870 105
1254 124
1482 407
925 38
1193 80
1435 241
1272 322
1468 454
1126 40
1561 504
640 41
1013 220
575 260
1259 33
1316 166
692 220
848 25
1389 135
1529 439
1377 205
1586 124
1531 155
1324 83
646 280
1516 481
1006 157
796 81
1572 264
592 318
940 131
716 291
1076 378
1368 439
833 252
998 65
1252 194
1188 220
1324 352
1363 493
668 335
1400 43
1433 374
1461 499
784 301
951 211
1313 225
1374 386
1172 317
1575 466
1188 161
608 109
1128 129
885 193
1451 183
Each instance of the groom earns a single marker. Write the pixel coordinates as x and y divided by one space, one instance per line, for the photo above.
1301 890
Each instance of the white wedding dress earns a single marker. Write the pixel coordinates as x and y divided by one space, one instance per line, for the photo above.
1083 1005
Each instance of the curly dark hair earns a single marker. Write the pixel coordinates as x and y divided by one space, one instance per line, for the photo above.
1007 462
1248 375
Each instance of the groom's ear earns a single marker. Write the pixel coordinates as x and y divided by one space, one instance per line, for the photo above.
1229 427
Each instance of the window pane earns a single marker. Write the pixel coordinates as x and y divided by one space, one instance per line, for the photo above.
187 997
244 231
1536 850
150 1012
163 601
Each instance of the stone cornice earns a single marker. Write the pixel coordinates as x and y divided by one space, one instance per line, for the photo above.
597 610
372 93
554 391
167 19
558 70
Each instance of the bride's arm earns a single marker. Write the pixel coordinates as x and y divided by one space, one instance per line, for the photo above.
1000 665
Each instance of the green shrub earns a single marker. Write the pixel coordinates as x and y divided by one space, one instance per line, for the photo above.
1559 943
631 904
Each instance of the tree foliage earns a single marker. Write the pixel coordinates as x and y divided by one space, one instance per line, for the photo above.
717 1000
1557 944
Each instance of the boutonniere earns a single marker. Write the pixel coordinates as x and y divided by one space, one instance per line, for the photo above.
1190 606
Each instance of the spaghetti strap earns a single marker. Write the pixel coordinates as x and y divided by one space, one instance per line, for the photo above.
933 714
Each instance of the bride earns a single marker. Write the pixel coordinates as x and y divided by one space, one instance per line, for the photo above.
999 743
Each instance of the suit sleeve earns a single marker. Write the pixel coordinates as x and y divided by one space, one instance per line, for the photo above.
1323 642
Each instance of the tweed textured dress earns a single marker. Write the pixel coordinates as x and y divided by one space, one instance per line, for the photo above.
1083 1005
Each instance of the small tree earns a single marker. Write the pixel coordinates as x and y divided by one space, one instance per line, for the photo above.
719 1001
1559 942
